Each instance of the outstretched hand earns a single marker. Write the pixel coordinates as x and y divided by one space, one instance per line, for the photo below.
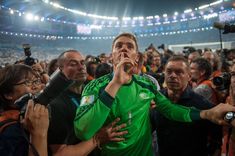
111 133
217 113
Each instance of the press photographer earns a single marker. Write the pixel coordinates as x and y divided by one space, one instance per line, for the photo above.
15 81
58 83
28 60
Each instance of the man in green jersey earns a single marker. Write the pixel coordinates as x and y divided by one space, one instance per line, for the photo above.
128 96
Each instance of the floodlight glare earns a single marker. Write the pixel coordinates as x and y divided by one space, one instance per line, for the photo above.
204 6
29 16
216 2
188 11
12 12
36 18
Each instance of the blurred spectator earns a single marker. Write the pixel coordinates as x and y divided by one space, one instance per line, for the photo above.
201 71
52 66
91 68
192 56
102 69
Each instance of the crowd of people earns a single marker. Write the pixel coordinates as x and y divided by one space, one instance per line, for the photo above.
124 103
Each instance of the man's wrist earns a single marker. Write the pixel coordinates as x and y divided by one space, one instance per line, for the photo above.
203 114
112 88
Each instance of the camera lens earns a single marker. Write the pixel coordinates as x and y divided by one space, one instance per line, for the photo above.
218 81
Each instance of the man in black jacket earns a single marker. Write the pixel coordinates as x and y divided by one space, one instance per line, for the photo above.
184 139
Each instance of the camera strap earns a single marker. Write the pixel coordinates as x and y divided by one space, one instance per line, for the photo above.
228 140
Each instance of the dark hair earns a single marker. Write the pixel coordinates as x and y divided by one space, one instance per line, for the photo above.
129 35
9 76
102 69
51 66
204 65
90 70
141 59
178 58
61 58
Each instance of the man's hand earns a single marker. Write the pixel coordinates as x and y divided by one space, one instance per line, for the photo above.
36 119
217 113
123 70
111 133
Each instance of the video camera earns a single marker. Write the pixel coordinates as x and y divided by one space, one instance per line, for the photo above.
225 26
188 50
162 46
56 85
222 82
27 52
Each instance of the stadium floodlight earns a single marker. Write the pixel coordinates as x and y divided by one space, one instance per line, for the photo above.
216 2
176 13
11 12
36 18
46 1
29 16
20 14
126 18
203 6
156 16
149 17
188 11
164 15
56 5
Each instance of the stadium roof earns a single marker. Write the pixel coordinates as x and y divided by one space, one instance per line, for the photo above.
118 8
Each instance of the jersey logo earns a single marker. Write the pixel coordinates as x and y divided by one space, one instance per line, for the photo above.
143 95
86 100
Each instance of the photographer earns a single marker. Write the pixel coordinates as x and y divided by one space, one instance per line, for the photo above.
16 81
229 132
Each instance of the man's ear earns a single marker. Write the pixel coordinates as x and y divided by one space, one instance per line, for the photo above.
202 72
137 58
189 76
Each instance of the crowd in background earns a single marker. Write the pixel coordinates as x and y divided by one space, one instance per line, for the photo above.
210 76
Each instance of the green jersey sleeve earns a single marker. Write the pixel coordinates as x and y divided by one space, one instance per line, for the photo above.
166 107
94 109
174 111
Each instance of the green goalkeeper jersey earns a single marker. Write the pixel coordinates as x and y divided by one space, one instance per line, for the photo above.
131 104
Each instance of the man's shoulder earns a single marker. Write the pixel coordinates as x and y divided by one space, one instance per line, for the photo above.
198 100
143 79
98 83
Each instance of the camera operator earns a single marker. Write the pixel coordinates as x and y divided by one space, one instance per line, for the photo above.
16 81
229 132
28 60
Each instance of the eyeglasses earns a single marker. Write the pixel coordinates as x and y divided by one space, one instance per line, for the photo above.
232 73
29 82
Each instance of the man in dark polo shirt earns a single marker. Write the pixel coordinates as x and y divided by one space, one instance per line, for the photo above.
61 137
184 139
